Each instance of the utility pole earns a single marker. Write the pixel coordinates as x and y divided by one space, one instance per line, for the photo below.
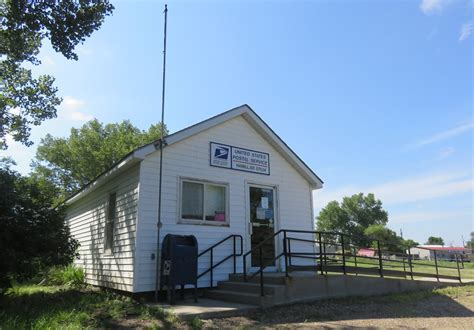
161 145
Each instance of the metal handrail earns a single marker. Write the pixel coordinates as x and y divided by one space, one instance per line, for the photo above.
262 242
211 250
398 254
323 259
402 255
262 266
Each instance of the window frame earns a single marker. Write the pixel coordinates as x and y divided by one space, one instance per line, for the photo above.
108 220
203 222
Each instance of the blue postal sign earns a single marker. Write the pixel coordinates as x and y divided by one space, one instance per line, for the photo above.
241 159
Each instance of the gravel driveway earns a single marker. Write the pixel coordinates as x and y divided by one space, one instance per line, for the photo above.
446 308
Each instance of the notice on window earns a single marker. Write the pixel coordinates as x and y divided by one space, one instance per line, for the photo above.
264 202
240 159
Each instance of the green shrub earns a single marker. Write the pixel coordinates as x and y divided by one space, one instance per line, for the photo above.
33 233
196 323
69 276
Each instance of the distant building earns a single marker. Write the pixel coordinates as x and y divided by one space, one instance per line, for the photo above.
366 252
427 252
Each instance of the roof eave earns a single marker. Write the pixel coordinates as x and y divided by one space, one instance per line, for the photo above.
251 116
246 111
121 166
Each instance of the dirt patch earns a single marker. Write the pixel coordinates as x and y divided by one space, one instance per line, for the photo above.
424 310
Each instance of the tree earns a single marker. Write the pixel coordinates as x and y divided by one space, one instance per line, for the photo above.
389 241
72 162
33 235
432 240
25 100
409 243
353 216
470 243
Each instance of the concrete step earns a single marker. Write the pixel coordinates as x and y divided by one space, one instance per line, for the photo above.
239 297
251 287
268 278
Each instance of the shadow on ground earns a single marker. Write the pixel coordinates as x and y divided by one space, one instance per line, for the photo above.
423 305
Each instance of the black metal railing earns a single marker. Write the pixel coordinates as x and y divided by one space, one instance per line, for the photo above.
345 258
234 255
339 260
262 266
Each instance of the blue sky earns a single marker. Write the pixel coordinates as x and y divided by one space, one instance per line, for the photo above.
376 96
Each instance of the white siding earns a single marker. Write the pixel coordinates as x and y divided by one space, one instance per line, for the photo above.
190 158
86 219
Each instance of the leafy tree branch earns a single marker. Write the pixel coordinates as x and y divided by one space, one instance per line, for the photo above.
26 101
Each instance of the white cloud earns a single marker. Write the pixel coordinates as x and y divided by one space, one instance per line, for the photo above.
68 116
450 133
466 31
70 108
429 7
72 103
446 152
432 6
79 116
407 190
323 196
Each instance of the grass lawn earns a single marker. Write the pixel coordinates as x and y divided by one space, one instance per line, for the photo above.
420 266
55 307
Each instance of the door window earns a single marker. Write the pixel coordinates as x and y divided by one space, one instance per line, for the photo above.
262 220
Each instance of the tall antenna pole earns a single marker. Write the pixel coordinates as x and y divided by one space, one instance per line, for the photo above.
162 144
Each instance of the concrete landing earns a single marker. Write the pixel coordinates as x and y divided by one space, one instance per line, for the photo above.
309 285
205 308
235 297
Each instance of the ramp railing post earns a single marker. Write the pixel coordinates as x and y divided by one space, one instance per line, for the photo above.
261 271
212 267
245 267
285 252
459 271
343 255
289 251
235 266
355 261
325 258
320 254
404 268
380 258
436 265
409 263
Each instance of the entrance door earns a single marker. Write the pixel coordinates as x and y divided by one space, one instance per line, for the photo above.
262 223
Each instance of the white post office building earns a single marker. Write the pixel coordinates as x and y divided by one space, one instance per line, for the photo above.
228 175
